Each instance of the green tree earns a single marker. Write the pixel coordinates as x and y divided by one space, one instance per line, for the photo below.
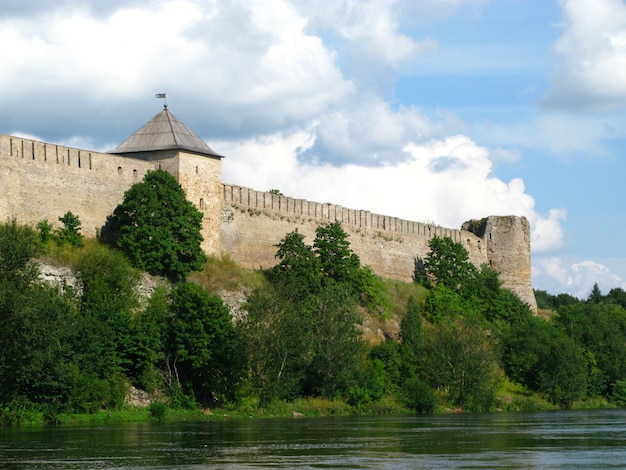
278 338
46 230
542 357
19 245
149 328
600 328
443 303
339 263
448 263
34 323
70 233
299 271
203 353
563 372
463 359
106 276
411 331
419 396
338 350
389 354
34 331
595 296
108 297
617 296
158 228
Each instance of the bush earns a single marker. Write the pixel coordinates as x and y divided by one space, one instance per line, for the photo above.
157 411
618 393
70 233
419 396
46 230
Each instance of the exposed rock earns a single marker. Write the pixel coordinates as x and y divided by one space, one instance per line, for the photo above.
137 398
235 301
62 277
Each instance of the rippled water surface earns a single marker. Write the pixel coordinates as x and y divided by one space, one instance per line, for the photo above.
573 439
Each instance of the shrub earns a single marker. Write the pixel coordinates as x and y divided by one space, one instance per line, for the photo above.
618 393
419 396
70 233
157 411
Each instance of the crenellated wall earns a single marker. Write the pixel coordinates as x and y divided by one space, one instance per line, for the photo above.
253 222
43 181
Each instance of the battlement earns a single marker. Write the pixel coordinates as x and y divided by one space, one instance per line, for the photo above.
43 181
327 212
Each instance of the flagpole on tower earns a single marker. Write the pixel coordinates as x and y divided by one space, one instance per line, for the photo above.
162 96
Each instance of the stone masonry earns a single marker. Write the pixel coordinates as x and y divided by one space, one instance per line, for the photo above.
43 181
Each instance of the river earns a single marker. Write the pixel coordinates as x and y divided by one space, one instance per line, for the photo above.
566 439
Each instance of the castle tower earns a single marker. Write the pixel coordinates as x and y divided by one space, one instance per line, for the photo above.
166 141
508 252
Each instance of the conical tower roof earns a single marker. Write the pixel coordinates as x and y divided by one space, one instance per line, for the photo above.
164 132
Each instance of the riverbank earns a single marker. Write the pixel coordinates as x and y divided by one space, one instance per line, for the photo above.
510 400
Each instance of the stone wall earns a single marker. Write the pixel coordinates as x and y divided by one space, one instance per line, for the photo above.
43 181
253 222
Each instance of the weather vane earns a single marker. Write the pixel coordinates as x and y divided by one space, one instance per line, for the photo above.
162 95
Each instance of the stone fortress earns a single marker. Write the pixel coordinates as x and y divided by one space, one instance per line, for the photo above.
40 180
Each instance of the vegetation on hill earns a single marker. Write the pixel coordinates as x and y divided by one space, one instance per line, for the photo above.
461 340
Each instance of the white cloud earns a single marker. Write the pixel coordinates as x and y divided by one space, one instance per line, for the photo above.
370 27
591 74
575 278
373 29
447 181
367 130
252 62
547 233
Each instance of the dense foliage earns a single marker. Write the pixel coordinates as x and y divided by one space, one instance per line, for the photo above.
80 349
302 333
158 228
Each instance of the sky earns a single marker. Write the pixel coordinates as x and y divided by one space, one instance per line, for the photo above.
437 111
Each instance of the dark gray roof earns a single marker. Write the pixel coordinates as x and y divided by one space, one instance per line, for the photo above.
164 132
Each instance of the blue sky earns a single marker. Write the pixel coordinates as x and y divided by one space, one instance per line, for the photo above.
431 110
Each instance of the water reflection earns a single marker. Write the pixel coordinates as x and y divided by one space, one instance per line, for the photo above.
581 439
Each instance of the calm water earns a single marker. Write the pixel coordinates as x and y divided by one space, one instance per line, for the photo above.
573 439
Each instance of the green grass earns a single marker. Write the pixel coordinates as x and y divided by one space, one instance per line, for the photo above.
223 273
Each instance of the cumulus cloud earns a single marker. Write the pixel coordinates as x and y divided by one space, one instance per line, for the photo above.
252 63
547 231
371 28
446 181
369 131
575 278
591 74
